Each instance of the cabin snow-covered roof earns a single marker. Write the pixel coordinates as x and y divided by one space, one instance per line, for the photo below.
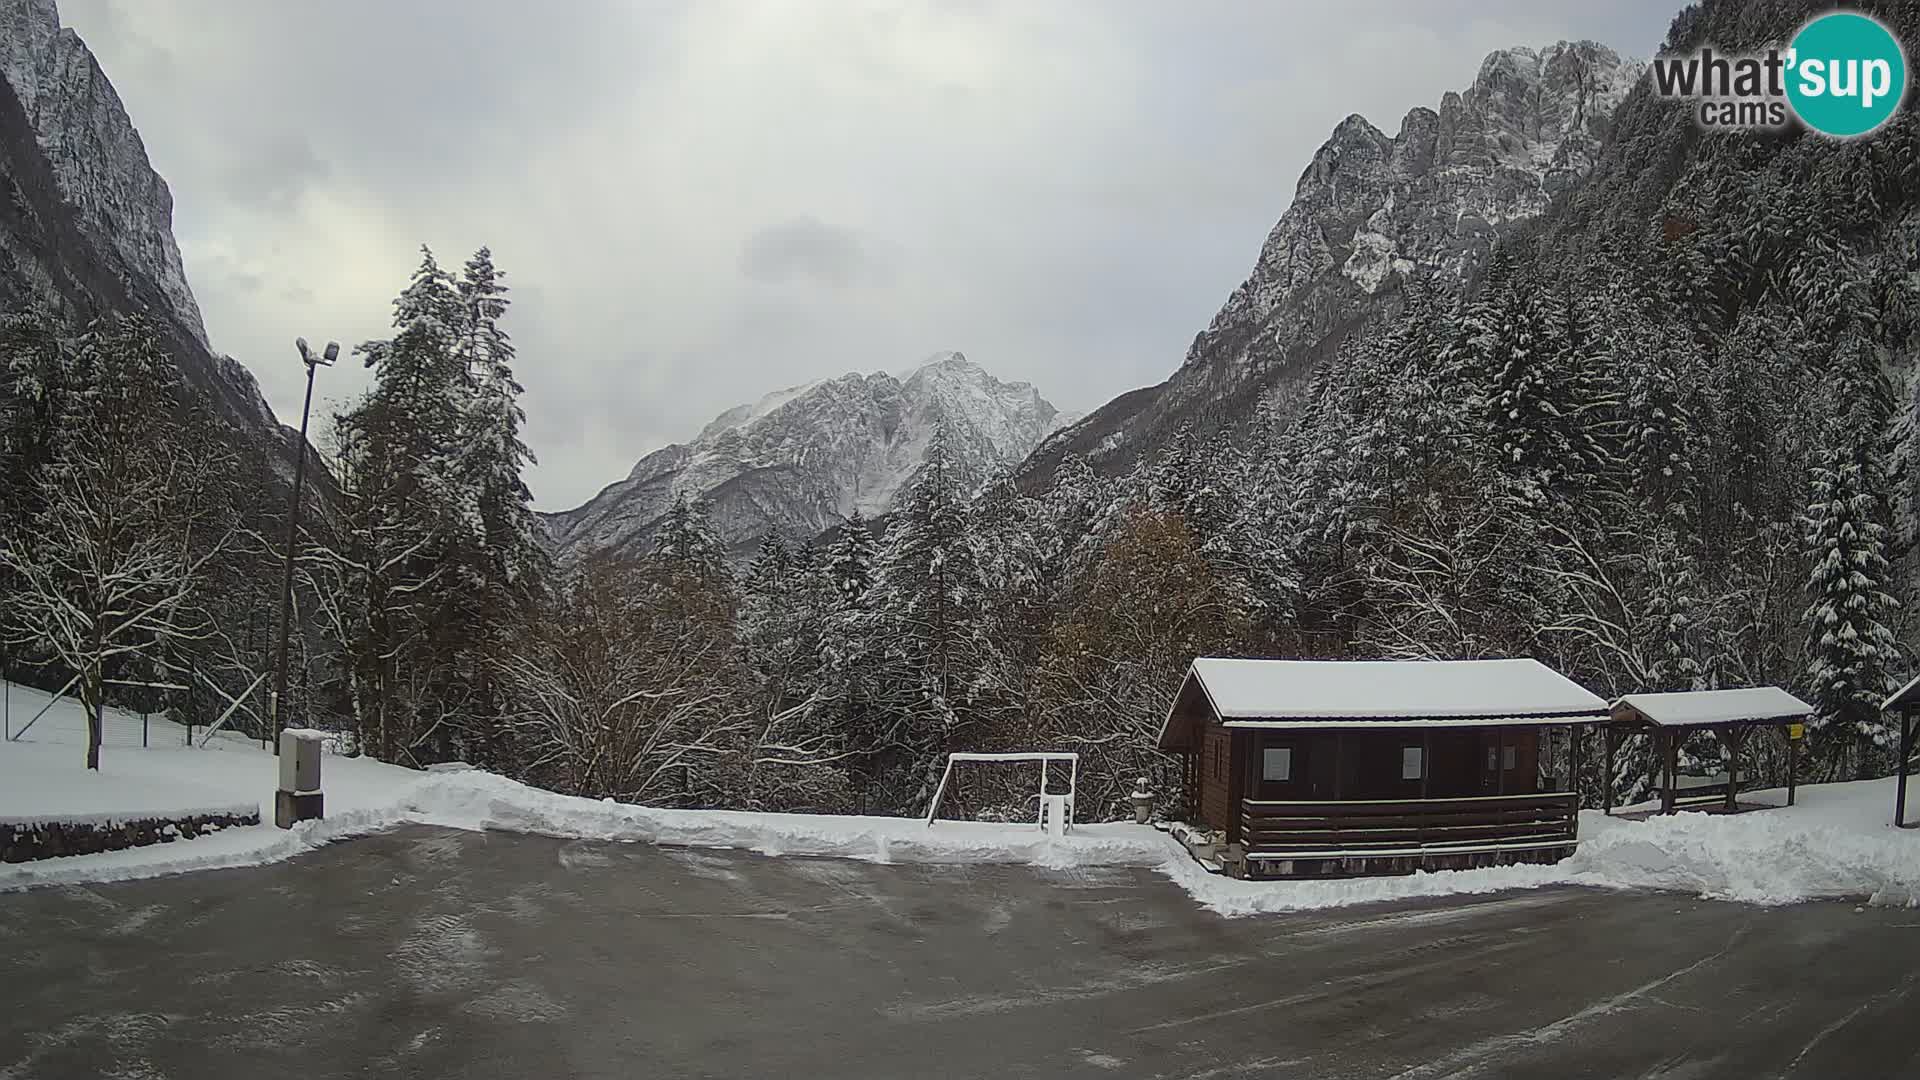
1371 693
1695 708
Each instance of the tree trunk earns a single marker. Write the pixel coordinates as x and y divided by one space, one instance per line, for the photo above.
90 700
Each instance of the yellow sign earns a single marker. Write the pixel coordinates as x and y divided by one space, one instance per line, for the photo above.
1796 731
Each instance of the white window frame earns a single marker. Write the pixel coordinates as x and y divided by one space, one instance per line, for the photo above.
1413 763
1509 757
1266 764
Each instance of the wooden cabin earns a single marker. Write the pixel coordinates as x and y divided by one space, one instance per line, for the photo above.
1322 768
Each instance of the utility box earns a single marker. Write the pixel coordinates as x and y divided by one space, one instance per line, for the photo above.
298 798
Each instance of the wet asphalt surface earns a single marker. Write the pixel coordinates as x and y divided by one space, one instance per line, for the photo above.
433 953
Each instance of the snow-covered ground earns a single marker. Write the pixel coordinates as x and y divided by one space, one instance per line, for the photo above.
1837 843
43 775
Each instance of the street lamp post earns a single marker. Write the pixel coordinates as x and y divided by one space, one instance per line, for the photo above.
309 358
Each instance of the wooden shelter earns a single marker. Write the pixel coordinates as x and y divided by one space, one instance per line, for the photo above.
1905 707
1730 714
1314 768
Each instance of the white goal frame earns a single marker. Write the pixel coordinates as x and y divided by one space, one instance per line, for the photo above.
1073 778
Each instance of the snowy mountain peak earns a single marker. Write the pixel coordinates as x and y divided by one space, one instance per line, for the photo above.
951 359
746 414
800 459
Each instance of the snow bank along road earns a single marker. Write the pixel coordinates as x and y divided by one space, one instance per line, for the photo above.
432 952
1836 844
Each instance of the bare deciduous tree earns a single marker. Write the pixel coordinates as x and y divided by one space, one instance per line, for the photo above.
110 565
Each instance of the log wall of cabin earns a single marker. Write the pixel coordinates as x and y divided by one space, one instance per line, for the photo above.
1364 764
1217 805
1358 764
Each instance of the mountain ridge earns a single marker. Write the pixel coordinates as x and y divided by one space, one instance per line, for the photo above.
798 460
1369 213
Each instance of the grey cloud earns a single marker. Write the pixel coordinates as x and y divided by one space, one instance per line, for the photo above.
271 172
808 249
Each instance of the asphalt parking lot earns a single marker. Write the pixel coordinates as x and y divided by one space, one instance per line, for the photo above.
429 953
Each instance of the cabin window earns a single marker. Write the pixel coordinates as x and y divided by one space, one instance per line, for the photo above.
1510 756
1413 762
1276 763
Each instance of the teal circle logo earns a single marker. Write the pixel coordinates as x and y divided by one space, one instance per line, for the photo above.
1847 74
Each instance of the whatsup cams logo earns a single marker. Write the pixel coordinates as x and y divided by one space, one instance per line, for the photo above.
1843 75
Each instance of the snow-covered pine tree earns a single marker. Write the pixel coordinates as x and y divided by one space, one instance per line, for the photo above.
33 362
1657 427
494 457
767 573
851 660
1194 479
1262 542
1587 406
495 540
1075 504
1017 550
1509 352
688 544
407 510
928 593
1852 654
778 645
850 561
1676 650
411 423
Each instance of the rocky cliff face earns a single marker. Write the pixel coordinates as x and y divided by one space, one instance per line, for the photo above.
1371 212
797 461
98 160
85 222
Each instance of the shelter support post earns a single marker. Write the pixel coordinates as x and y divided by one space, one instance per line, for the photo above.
1734 736
1606 778
1670 766
1578 733
1907 726
1793 766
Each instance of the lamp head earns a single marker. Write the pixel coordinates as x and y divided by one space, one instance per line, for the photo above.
313 359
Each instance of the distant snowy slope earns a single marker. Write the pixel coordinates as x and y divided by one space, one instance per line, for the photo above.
800 459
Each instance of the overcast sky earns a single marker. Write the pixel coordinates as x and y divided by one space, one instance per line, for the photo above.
696 203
